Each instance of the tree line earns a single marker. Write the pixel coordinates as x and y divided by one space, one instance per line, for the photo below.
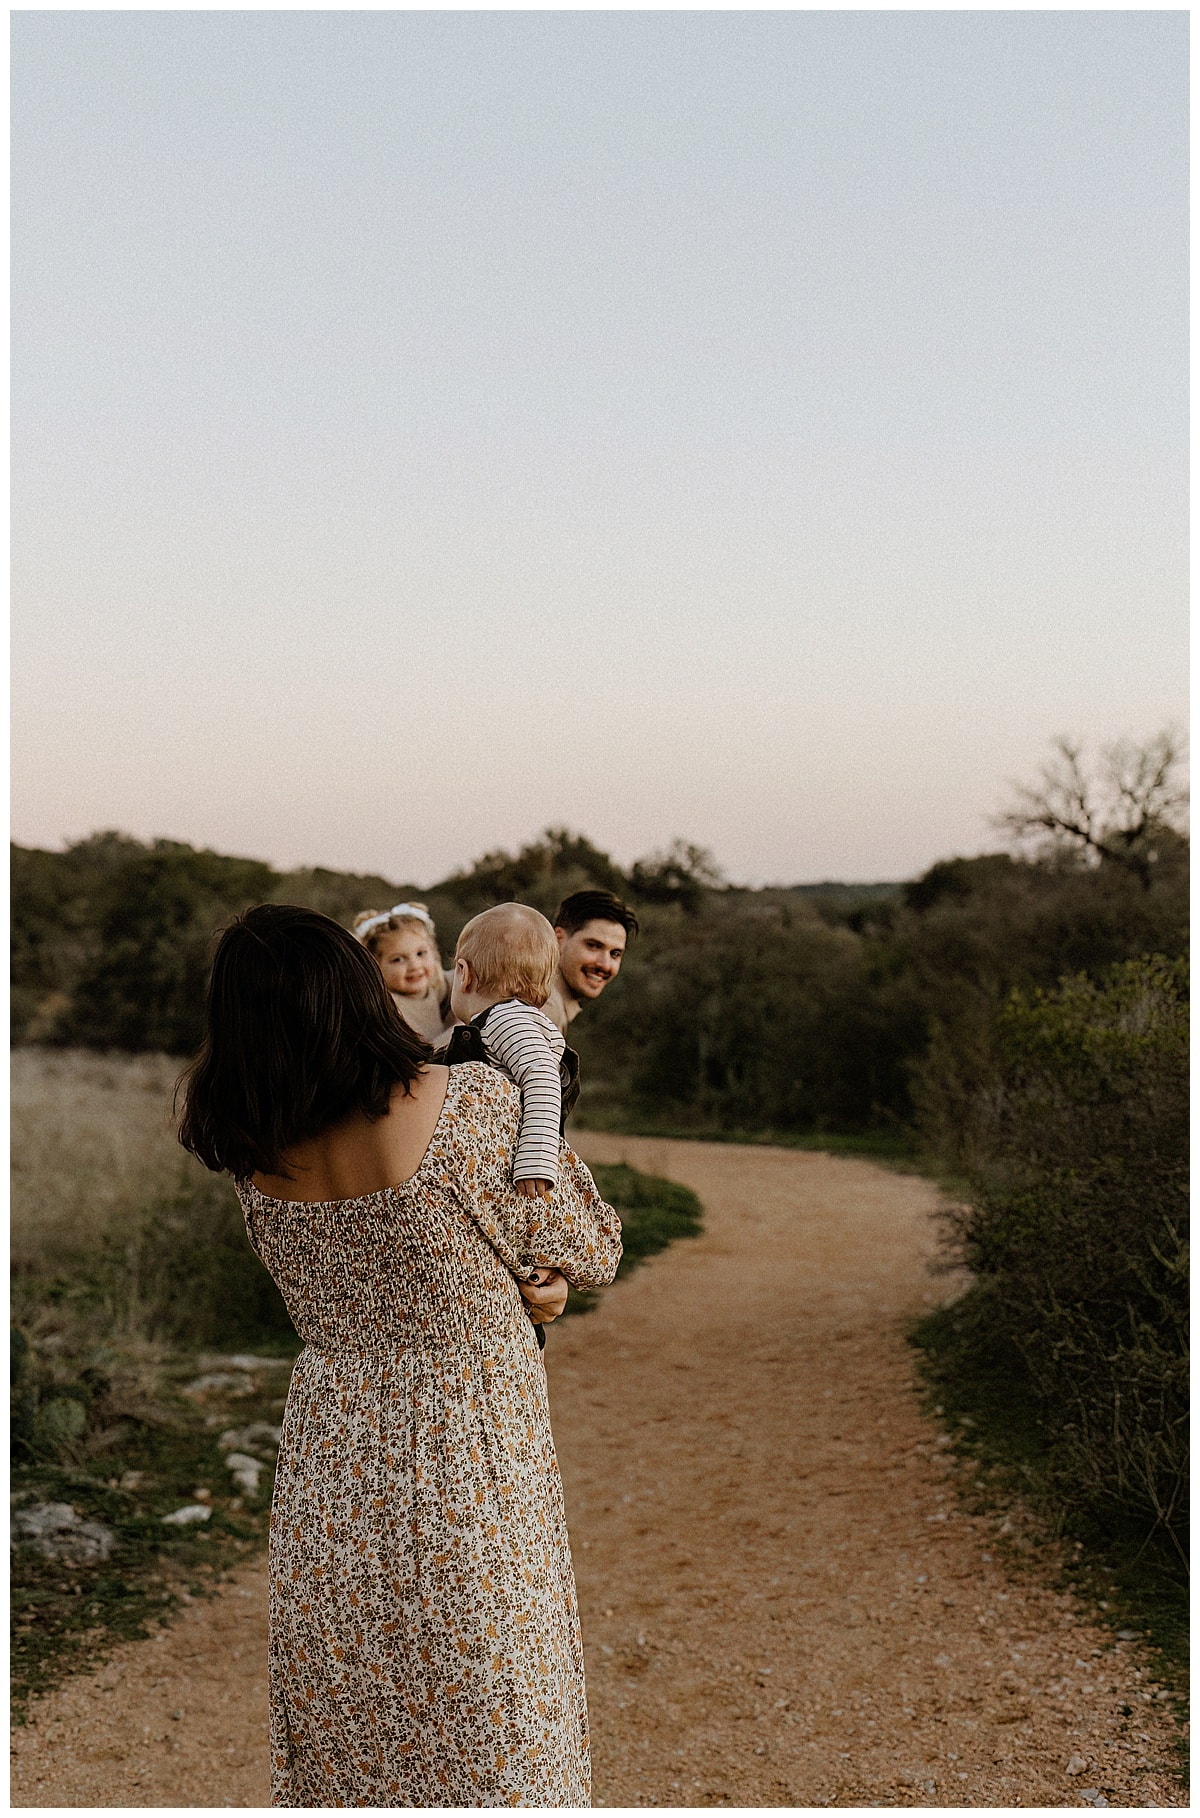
839 1009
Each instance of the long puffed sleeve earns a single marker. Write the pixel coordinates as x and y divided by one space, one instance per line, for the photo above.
528 1047
573 1230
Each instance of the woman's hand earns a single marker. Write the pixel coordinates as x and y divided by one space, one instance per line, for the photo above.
545 1296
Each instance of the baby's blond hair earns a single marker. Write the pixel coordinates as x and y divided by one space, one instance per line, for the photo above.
511 949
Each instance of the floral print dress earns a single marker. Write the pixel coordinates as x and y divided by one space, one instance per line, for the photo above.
425 1644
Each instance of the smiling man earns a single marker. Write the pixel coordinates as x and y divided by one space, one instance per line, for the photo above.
592 928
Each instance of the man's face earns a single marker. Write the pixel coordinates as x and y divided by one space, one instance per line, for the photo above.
591 956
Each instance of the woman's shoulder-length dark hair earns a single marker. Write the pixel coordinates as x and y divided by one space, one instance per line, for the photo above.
299 1031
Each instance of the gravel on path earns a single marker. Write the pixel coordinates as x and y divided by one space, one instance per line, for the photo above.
178 1720
783 1601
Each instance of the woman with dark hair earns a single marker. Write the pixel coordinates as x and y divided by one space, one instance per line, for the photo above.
425 1642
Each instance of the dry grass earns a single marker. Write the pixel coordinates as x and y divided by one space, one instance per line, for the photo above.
128 1260
92 1142
119 1237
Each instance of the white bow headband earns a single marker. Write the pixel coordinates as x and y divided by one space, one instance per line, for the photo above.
411 910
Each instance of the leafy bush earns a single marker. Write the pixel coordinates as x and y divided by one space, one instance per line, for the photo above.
750 1015
112 939
973 930
1075 1229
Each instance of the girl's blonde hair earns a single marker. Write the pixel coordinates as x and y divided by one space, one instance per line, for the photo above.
373 924
511 949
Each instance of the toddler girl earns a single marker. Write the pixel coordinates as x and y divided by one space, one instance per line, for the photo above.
403 942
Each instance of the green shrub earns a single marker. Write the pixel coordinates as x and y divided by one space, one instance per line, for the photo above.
975 930
749 1015
1076 1232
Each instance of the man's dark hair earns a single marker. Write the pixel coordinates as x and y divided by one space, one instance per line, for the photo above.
299 1030
574 912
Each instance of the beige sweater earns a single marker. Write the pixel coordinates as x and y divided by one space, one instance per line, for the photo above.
561 1007
430 1015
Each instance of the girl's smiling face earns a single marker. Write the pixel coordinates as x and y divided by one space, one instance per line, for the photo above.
407 960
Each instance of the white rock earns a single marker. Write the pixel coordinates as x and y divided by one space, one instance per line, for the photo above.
183 1518
221 1382
258 1436
246 1471
54 1530
1076 1764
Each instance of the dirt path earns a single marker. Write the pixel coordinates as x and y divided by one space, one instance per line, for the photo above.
782 1602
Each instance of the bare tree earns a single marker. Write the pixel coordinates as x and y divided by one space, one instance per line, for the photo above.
1120 810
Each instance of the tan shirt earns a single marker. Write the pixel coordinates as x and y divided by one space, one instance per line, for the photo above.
430 1014
561 1006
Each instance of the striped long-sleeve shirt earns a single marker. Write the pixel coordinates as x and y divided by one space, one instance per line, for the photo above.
528 1047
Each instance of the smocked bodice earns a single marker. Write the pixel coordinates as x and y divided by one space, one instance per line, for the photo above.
435 1260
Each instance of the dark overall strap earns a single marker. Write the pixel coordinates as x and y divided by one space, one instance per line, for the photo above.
568 1068
465 1044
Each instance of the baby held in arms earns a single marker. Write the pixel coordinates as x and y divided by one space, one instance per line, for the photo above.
504 965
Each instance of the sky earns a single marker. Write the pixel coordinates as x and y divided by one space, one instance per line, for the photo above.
764 429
